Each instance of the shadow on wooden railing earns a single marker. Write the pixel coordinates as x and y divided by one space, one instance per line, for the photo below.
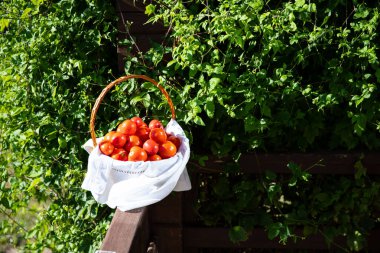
171 226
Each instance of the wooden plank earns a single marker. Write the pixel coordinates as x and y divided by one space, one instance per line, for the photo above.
167 211
139 24
189 199
131 5
195 237
315 163
128 232
165 218
168 238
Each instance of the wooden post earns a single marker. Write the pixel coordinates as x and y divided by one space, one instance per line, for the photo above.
165 219
128 232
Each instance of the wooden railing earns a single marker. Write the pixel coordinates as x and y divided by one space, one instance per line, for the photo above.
172 226
128 232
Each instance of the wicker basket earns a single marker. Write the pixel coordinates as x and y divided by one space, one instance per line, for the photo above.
129 185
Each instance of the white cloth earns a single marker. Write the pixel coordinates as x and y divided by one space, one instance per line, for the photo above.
130 185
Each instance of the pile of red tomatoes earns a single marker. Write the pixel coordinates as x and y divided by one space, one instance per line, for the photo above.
134 140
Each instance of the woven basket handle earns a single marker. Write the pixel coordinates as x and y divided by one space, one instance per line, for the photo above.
112 84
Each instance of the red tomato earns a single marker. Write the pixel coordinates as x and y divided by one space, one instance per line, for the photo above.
118 139
144 125
120 154
143 133
158 135
176 141
151 147
108 136
137 154
132 141
127 127
154 158
167 150
138 121
155 124
106 147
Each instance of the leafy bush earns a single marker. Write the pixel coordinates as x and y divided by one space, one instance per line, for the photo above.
275 76
275 70
56 57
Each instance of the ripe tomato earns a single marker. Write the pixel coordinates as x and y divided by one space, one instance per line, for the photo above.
132 141
154 158
106 147
120 154
151 147
137 154
154 123
144 125
143 133
127 127
108 136
158 135
176 141
118 139
138 121
167 150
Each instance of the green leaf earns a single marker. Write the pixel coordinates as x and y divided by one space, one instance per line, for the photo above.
210 108
202 160
62 142
240 41
4 23
37 2
136 100
35 182
199 121
149 9
274 230
214 82
35 173
170 62
193 70
300 3
250 124
26 13
238 234
274 191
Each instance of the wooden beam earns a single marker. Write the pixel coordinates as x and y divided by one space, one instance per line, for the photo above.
128 232
131 5
165 219
315 163
216 237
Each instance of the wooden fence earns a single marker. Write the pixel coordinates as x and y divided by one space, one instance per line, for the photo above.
172 225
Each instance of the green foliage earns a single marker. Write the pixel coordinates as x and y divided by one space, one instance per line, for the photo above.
276 70
55 57
275 76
